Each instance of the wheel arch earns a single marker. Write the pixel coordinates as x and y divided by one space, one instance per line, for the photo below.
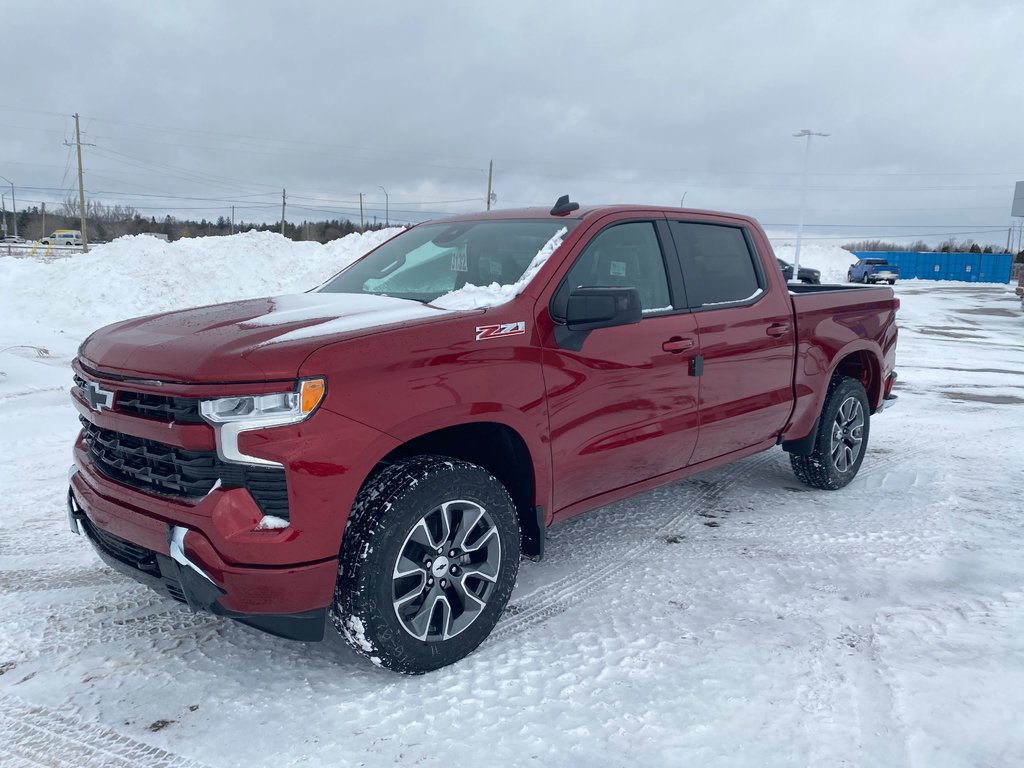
499 449
863 364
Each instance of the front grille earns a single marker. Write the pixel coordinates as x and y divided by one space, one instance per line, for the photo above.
130 554
155 467
162 407
159 407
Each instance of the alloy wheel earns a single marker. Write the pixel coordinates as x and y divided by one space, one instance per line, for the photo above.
847 434
446 570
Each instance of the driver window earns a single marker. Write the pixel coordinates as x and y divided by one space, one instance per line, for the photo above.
625 256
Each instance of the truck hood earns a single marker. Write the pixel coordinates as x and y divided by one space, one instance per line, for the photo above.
243 341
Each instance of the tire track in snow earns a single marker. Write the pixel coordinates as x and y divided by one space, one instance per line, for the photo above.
612 557
131 614
47 579
39 736
883 736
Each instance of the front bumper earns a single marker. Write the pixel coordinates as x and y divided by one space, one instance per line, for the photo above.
180 563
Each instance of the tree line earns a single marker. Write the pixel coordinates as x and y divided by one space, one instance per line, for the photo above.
952 245
107 222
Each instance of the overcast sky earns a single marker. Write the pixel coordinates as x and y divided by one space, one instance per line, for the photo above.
226 103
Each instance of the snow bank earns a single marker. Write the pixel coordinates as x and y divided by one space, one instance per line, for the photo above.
140 275
831 260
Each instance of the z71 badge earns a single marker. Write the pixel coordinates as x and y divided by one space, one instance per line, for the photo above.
502 329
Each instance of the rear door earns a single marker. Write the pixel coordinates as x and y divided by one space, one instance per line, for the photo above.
745 324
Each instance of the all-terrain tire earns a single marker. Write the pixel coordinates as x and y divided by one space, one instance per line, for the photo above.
427 518
841 440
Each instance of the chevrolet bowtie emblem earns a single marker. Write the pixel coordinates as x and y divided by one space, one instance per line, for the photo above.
98 398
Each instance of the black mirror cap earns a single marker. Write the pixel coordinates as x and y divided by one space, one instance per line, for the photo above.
598 307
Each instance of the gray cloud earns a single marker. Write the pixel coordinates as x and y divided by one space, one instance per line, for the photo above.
609 102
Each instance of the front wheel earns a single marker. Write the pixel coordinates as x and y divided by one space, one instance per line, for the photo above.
429 561
841 440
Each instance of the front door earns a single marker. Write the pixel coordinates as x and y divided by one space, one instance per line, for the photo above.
622 407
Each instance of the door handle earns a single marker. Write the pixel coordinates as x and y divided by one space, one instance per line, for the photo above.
777 329
678 344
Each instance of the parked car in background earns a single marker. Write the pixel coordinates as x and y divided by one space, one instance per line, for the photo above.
873 271
13 240
63 237
807 275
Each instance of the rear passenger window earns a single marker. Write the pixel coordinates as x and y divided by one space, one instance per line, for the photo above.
718 266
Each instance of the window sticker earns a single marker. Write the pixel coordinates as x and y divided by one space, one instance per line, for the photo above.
617 269
459 261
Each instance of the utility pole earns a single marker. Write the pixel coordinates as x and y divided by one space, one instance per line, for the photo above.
362 228
81 189
387 214
282 212
806 132
232 219
490 177
14 204
42 231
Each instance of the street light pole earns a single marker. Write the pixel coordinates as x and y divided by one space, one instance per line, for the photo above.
683 198
387 214
3 207
14 205
803 200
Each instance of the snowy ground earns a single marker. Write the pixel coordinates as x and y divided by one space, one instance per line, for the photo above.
735 619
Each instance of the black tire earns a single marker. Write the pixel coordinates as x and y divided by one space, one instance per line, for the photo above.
392 582
892 282
842 438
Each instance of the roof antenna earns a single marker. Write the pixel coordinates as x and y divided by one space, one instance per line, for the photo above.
563 206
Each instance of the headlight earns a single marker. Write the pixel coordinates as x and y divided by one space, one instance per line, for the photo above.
281 408
233 415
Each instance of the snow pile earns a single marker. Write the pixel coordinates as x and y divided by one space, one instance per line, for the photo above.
141 275
831 260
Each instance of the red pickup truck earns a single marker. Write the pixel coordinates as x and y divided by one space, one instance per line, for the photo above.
379 453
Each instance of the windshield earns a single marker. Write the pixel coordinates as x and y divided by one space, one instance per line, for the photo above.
431 260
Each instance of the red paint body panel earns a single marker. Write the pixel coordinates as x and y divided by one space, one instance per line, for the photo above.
623 413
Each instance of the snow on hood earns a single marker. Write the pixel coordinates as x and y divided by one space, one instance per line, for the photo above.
328 314
493 295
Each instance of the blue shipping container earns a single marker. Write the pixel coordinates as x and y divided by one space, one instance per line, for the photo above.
965 267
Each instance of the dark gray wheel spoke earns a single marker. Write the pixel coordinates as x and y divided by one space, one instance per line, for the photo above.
446 570
847 434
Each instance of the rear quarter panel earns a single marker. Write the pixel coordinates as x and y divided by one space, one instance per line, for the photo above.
832 325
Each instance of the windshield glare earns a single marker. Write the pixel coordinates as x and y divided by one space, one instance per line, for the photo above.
431 260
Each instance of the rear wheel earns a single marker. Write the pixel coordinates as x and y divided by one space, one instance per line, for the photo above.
429 561
841 440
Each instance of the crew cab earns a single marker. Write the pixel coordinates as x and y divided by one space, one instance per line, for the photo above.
376 455
873 271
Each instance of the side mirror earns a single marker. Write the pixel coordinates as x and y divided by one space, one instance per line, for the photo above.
591 308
